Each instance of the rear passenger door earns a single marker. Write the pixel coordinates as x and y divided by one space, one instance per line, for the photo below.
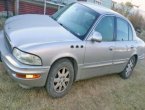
123 44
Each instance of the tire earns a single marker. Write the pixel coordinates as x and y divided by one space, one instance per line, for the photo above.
127 72
60 78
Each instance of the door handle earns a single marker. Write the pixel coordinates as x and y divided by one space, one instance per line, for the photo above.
111 48
132 47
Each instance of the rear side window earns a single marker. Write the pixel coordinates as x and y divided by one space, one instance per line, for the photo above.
122 30
130 33
106 28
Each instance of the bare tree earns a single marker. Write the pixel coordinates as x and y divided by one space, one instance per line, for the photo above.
123 8
128 8
136 18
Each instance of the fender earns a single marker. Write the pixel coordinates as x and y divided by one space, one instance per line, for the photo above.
63 55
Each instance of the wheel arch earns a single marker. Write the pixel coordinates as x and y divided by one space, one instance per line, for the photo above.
136 58
72 60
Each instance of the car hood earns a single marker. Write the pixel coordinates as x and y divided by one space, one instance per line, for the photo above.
24 30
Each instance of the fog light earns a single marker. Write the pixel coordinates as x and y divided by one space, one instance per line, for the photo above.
28 76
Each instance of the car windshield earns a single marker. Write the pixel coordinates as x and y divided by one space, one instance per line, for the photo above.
76 18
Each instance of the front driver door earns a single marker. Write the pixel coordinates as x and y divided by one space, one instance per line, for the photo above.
98 56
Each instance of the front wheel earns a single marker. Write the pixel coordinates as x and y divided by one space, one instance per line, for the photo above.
129 68
60 78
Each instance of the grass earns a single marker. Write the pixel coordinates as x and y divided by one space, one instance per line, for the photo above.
101 93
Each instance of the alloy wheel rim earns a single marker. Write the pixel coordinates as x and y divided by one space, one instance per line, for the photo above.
61 79
130 67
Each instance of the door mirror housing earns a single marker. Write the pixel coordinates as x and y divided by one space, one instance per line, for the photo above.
96 36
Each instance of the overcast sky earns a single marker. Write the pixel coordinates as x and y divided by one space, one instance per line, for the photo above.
140 3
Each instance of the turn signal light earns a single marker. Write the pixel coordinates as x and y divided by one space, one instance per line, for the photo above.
28 76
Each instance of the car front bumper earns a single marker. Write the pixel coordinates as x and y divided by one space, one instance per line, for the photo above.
14 67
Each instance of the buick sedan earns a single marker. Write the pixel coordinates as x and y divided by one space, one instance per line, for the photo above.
80 41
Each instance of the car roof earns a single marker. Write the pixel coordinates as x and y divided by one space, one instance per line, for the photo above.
101 10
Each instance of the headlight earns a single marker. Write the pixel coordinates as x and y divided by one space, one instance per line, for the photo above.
26 58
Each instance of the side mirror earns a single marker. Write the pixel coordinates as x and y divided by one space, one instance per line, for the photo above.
96 36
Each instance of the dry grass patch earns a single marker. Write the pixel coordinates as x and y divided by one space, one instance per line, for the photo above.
101 93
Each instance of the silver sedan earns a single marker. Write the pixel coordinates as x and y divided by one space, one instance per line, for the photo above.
79 41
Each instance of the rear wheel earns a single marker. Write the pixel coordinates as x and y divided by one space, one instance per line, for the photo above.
129 68
60 78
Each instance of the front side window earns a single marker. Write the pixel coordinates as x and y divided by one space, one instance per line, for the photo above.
122 30
77 19
106 28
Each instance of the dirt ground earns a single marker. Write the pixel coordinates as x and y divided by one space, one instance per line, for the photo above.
101 93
